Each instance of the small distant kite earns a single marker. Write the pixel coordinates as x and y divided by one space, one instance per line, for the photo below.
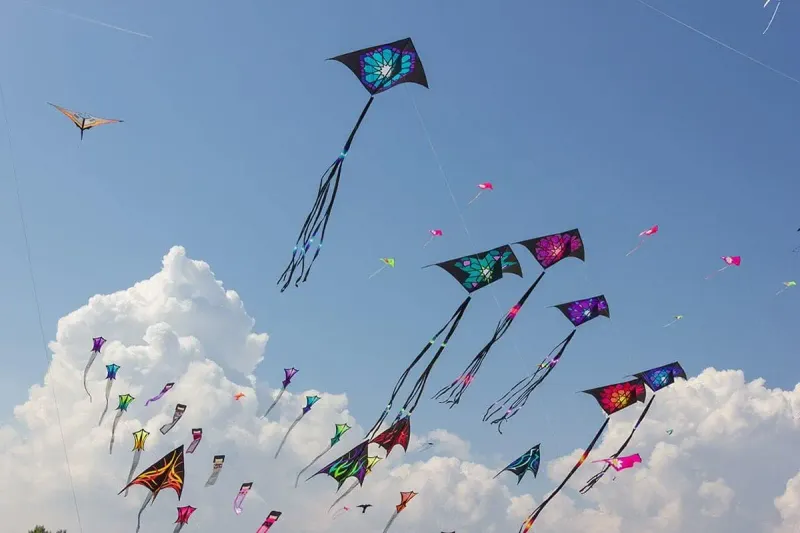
487 186
124 402
238 396
387 262
340 512
271 519
166 473
310 401
239 500
158 396
97 345
340 430
405 497
219 460
183 517
643 238
674 319
621 463
434 233
527 461
139 438
730 260
772 18
84 121
176 416
364 507
111 376
669 432
425 447
289 374
197 436
786 285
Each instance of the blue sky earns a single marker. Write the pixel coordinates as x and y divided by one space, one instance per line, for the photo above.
600 115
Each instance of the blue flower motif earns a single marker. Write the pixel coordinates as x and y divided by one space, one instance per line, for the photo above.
384 67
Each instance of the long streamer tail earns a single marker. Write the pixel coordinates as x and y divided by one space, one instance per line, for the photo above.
113 431
475 198
376 272
108 392
275 402
280 447
136 455
86 372
177 529
314 460
427 242
389 523
717 272
344 495
635 248
147 500
668 325
771 19
780 291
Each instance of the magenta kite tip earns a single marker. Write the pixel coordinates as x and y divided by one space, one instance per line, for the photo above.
486 186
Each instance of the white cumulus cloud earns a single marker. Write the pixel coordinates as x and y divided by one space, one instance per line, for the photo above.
730 465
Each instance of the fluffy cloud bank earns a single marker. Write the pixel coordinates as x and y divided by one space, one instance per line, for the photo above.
730 466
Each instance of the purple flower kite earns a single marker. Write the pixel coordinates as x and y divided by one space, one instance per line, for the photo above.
289 373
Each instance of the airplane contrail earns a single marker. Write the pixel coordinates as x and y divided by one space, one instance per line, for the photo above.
87 19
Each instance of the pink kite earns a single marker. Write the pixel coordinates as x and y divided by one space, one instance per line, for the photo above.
434 233
643 238
730 261
621 463
483 187
271 519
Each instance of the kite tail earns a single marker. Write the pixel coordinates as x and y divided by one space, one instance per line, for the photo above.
147 500
475 198
771 19
635 248
526 526
114 430
280 447
86 372
780 291
519 394
108 392
420 384
136 455
376 272
344 495
177 529
427 242
389 523
314 460
594 479
668 325
275 401
317 220
459 386
717 272
339 512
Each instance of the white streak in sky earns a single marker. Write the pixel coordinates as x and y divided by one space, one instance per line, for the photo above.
87 19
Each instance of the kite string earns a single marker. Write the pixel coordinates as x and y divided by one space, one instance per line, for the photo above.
36 298
443 174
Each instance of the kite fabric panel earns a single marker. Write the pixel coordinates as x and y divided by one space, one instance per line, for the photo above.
238 501
176 416
219 461
617 396
166 473
398 433
662 376
551 249
271 519
581 311
378 68
351 464
525 462
476 271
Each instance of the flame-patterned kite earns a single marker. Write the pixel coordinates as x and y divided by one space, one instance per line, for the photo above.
166 473
527 461
548 250
371 462
271 519
657 379
111 375
340 430
97 345
289 373
216 468
578 313
124 402
197 436
730 260
643 237
84 121
176 416
238 501
139 438
310 401
405 497
612 398
158 396
183 517
379 68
